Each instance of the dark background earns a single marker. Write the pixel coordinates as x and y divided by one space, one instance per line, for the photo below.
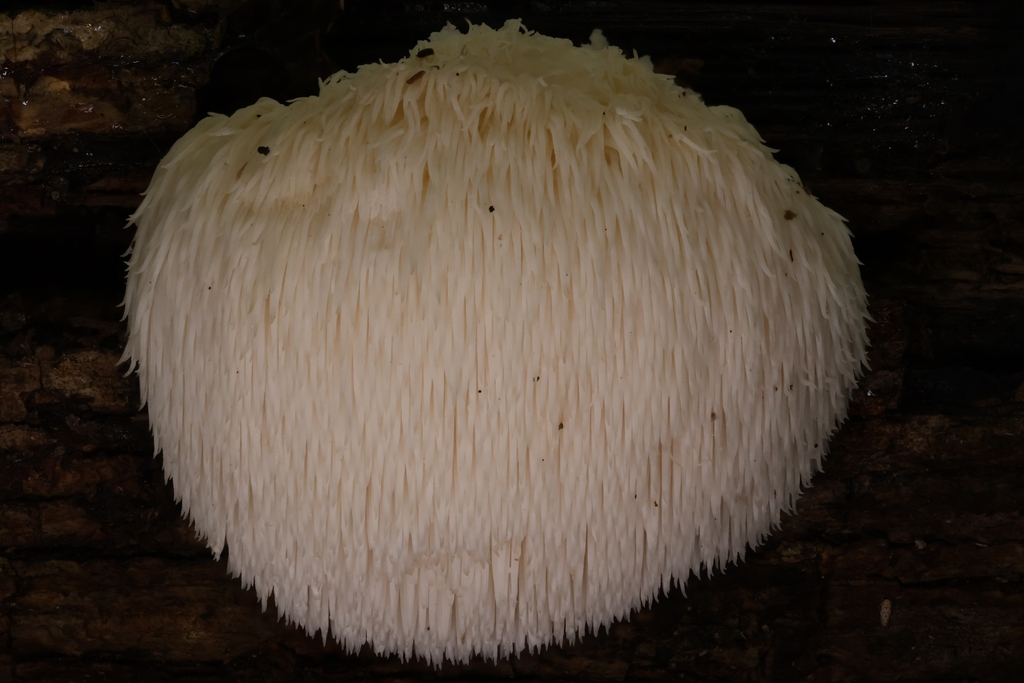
904 117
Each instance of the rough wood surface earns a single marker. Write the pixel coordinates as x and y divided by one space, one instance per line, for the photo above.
902 117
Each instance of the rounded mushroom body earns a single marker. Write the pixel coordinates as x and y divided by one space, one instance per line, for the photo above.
475 351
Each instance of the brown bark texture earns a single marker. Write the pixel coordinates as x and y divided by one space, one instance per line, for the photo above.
904 117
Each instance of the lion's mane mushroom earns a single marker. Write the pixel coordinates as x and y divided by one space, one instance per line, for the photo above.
476 351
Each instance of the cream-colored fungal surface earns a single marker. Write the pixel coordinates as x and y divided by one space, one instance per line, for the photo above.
480 350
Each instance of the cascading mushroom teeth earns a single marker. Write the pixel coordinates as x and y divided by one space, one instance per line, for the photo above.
473 352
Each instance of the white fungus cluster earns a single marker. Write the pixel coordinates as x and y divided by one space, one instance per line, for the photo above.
480 350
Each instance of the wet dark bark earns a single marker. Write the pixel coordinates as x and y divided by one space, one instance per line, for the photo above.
903 118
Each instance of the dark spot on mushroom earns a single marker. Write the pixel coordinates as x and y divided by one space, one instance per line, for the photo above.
491 209
259 115
791 387
712 416
479 391
790 255
536 378
789 215
655 503
684 127
415 77
209 287
263 149
815 445
559 425
425 53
